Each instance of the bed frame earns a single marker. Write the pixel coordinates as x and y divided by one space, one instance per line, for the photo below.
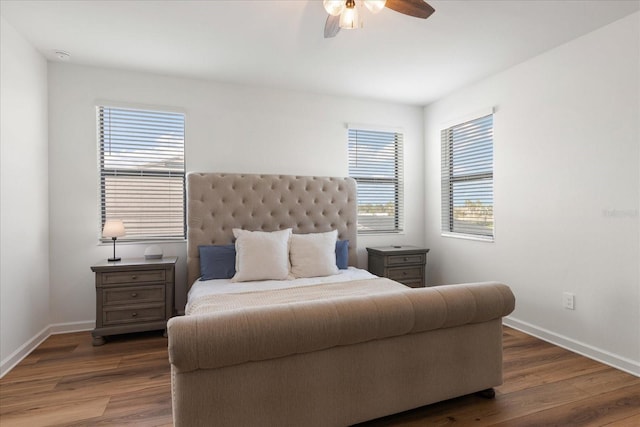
335 380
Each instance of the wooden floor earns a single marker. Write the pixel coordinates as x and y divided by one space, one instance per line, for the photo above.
67 382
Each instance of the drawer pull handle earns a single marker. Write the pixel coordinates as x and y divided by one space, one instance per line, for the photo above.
133 294
134 277
134 314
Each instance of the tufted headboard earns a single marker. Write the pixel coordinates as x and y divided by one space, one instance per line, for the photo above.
218 203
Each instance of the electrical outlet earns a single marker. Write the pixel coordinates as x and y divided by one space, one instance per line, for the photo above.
569 301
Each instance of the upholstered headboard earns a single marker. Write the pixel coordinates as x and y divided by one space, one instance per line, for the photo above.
218 203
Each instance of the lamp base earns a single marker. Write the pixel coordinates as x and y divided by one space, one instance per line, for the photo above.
114 259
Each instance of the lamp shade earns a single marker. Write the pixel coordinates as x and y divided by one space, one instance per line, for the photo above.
349 18
375 6
334 7
113 228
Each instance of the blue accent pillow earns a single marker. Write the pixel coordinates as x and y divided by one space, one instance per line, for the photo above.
342 254
217 261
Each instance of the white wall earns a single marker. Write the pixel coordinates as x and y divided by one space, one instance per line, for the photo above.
567 186
229 128
24 256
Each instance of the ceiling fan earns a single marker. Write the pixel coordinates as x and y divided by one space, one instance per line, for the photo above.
344 13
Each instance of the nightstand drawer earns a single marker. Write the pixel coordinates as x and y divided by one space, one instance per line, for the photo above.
406 259
405 273
133 277
133 294
119 316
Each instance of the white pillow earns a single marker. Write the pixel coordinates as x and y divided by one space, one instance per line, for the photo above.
313 254
261 255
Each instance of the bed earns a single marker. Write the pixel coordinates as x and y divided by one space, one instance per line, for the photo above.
329 350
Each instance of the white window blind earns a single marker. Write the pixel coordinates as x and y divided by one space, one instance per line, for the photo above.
375 162
467 178
142 171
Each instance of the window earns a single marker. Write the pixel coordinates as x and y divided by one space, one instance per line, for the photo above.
142 171
467 178
375 161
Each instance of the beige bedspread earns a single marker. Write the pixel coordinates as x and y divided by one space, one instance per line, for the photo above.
223 302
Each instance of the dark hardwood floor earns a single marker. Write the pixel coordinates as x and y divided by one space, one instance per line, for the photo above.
68 382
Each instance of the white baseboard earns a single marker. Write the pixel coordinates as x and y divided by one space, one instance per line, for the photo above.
602 356
25 349
67 328
618 362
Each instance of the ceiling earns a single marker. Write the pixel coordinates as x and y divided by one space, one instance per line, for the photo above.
280 43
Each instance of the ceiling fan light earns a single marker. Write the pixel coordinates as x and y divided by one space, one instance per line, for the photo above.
334 7
375 6
349 18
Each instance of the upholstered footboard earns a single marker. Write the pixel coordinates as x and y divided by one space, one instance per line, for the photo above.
418 347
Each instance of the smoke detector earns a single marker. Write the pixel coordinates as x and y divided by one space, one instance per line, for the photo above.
62 55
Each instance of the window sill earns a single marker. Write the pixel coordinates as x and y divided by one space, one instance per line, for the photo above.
140 242
380 233
487 239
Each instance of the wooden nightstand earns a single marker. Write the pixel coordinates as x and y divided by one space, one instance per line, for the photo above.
404 264
133 295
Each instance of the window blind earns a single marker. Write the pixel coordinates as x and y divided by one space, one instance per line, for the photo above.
375 162
467 178
142 173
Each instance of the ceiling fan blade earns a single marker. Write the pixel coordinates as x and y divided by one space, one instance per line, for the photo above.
332 26
417 8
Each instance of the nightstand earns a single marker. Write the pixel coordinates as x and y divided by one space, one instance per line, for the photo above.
133 295
404 264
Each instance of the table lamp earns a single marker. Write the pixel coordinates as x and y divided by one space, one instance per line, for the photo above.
113 228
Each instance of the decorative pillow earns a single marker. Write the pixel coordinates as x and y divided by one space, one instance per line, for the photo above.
261 255
217 261
342 254
313 254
